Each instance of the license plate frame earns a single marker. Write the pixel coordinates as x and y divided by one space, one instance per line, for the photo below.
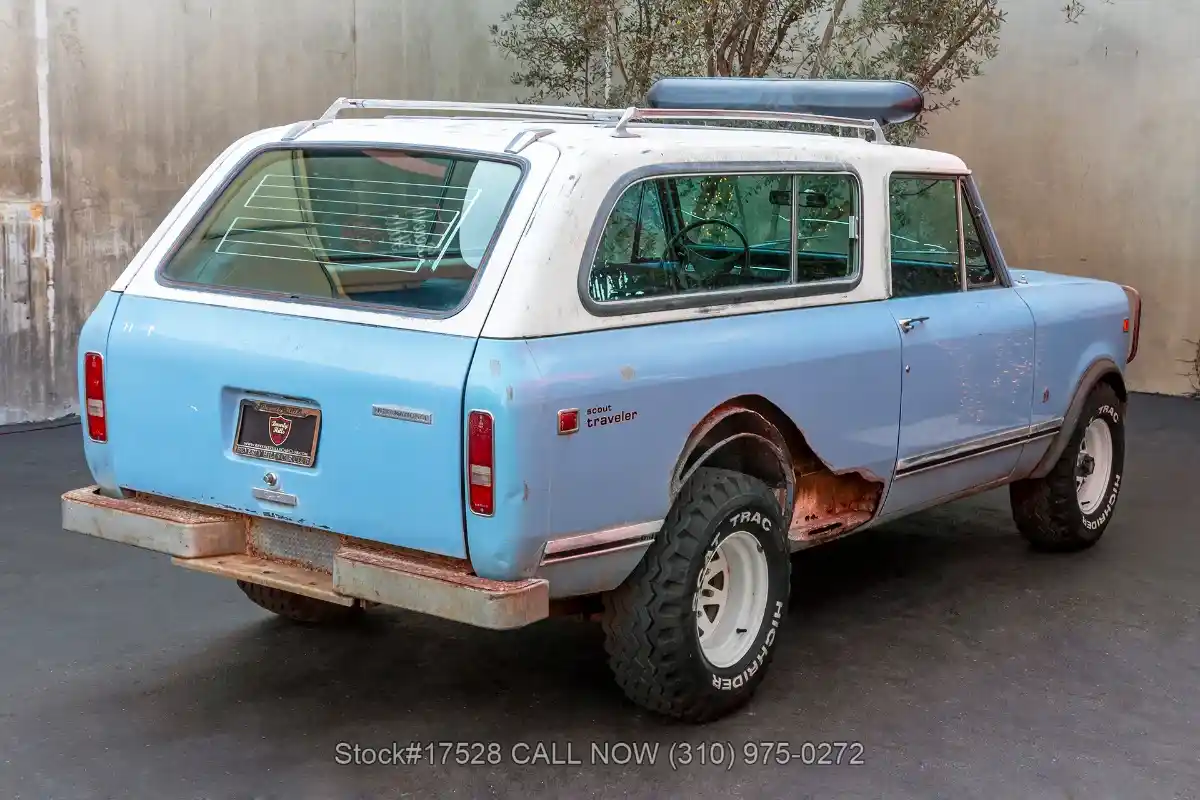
264 429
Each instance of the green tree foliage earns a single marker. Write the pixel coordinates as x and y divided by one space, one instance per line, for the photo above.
609 52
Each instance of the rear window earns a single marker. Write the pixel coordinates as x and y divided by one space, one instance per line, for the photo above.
403 229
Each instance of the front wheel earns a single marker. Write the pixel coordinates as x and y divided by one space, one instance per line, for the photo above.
691 631
1071 506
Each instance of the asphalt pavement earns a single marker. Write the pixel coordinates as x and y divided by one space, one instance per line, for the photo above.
961 663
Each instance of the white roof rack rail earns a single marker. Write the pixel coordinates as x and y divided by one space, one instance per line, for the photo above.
619 119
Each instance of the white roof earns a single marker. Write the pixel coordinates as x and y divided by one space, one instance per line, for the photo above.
493 135
571 171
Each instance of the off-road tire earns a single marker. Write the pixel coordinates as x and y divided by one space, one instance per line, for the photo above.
1047 509
297 607
649 622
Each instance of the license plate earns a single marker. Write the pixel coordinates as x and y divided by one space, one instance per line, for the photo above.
281 433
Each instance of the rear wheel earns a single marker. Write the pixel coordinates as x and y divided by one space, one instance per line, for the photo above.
297 607
691 632
1070 508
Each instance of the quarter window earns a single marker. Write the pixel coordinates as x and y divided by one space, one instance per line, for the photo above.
924 241
702 233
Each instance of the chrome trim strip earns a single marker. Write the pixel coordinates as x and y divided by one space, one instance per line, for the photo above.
991 440
986 444
938 464
280 498
1049 426
607 551
621 535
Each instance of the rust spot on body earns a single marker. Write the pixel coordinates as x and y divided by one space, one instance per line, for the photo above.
825 503
628 373
829 504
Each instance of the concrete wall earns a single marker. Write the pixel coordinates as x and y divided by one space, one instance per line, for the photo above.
1083 139
139 96
1080 135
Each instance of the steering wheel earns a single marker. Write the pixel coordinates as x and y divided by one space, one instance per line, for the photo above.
706 269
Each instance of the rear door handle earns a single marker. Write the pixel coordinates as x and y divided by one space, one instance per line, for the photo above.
907 325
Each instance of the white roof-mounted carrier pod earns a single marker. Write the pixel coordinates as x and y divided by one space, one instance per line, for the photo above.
840 103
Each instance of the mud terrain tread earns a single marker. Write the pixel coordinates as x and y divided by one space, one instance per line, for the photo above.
297 607
1045 509
645 635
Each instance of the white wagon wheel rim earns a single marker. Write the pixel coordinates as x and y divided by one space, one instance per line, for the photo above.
731 599
1093 466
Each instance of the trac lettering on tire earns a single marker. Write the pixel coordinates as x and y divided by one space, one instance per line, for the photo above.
751 516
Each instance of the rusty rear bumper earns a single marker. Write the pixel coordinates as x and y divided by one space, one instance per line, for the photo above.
228 544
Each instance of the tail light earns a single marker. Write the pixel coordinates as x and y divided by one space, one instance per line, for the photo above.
1133 324
93 397
481 457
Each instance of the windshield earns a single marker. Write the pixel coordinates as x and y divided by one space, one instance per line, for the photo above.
403 229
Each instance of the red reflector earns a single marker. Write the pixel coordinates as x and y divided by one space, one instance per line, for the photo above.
568 421
1133 323
481 456
93 397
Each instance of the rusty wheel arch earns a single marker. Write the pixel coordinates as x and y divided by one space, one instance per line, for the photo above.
738 431
751 434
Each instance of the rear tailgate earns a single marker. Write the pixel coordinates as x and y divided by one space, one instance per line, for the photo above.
302 353
386 447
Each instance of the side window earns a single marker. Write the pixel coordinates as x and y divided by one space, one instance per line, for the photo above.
980 272
924 240
826 228
635 232
703 233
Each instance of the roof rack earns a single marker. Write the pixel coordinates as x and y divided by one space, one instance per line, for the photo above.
727 114
618 119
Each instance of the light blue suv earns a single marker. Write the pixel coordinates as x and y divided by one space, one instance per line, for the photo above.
497 362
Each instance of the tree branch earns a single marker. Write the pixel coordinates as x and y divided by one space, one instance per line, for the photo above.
782 30
977 21
724 63
613 26
827 39
746 55
710 37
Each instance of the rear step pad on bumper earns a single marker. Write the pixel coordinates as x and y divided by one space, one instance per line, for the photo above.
264 572
215 542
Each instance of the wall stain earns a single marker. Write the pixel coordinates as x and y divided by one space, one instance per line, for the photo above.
132 128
